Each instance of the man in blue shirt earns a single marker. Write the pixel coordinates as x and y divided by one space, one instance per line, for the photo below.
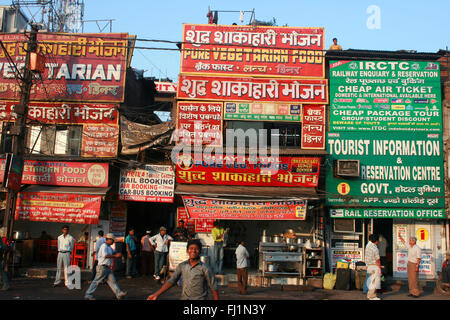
131 241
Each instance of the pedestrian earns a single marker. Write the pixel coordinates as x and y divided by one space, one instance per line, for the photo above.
160 245
241 267
372 260
382 246
197 276
130 242
99 241
446 270
65 247
146 255
414 256
104 270
180 233
335 45
218 233
3 276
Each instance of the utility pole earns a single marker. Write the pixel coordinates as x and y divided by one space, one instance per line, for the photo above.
18 131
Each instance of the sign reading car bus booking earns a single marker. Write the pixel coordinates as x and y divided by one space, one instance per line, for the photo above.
253 50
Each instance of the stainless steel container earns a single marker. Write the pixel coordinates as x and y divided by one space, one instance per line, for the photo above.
292 248
299 241
271 267
204 259
20 235
290 240
266 239
277 238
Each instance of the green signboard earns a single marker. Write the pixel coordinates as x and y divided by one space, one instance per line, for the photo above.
385 96
392 213
262 112
396 169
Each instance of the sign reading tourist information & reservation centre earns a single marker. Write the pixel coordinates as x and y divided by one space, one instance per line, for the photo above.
385 96
403 170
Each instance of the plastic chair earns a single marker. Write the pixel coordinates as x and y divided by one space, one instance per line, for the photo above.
79 255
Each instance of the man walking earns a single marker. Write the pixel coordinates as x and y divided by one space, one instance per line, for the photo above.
130 242
160 245
65 247
98 243
3 275
414 256
104 271
241 267
196 275
218 234
146 255
372 260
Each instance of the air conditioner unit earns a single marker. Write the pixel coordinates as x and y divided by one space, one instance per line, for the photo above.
348 168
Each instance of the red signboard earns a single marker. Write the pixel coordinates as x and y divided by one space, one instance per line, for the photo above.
63 113
188 223
216 88
199 123
100 140
313 127
166 87
253 50
58 207
239 170
80 67
56 173
204 208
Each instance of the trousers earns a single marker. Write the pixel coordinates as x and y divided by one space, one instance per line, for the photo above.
103 272
413 279
3 275
147 263
131 264
63 262
218 257
160 261
374 281
242 278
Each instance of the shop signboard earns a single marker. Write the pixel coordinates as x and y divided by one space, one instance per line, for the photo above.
253 50
241 170
58 207
387 213
247 111
148 183
199 123
313 127
351 255
118 219
169 87
177 254
204 225
215 88
396 170
189 224
385 96
80 67
61 173
223 209
100 140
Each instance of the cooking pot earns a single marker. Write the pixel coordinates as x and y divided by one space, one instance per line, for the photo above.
290 240
204 259
266 239
20 235
277 238
271 267
289 231
292 248
299 240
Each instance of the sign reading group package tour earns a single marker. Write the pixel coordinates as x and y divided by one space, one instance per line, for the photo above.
385 96
400 169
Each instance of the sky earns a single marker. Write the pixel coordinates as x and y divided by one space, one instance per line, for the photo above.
403 25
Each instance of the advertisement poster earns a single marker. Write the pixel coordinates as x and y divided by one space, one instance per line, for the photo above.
313 127
149 183
199 123
425 266
215 88
396 170
60 173
352 255
80 67
262 111
177 254
387 213
265 171
118 219
385 95
402 261
205 208
204 225
401 232
58 207
100 140
253 50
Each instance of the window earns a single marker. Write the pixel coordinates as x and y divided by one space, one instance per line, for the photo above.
347 225
55 140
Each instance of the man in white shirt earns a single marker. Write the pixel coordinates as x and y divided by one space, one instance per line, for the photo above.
372 260
414 256
98 243
241 267
104 271
65 247
160 245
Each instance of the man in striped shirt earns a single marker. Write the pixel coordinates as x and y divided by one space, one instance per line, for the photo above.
372 260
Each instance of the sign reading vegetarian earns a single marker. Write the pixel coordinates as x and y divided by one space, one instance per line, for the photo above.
255 50
79 67
201 208
385 95
239 170
396 170
149 183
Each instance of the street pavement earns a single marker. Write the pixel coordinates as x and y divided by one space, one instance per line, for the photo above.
139 288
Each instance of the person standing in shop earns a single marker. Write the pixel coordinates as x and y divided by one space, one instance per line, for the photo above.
147 267
241 267
372 260
414 256
160 245
218 234
130 242
65 248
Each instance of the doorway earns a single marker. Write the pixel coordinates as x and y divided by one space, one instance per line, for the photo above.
384 227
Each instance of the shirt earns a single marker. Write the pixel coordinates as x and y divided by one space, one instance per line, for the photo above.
241 257
145 241
414 253
98 244
372 254
130 242
65 243
105 250
335 47
215 232
184 233
382 245
196 279
160 242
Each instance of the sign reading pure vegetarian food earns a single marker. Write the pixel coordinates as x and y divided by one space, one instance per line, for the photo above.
385 95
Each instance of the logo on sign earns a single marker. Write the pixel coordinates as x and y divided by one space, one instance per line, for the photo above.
422 234
343 188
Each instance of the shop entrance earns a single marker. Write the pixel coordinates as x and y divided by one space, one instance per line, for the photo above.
384 227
